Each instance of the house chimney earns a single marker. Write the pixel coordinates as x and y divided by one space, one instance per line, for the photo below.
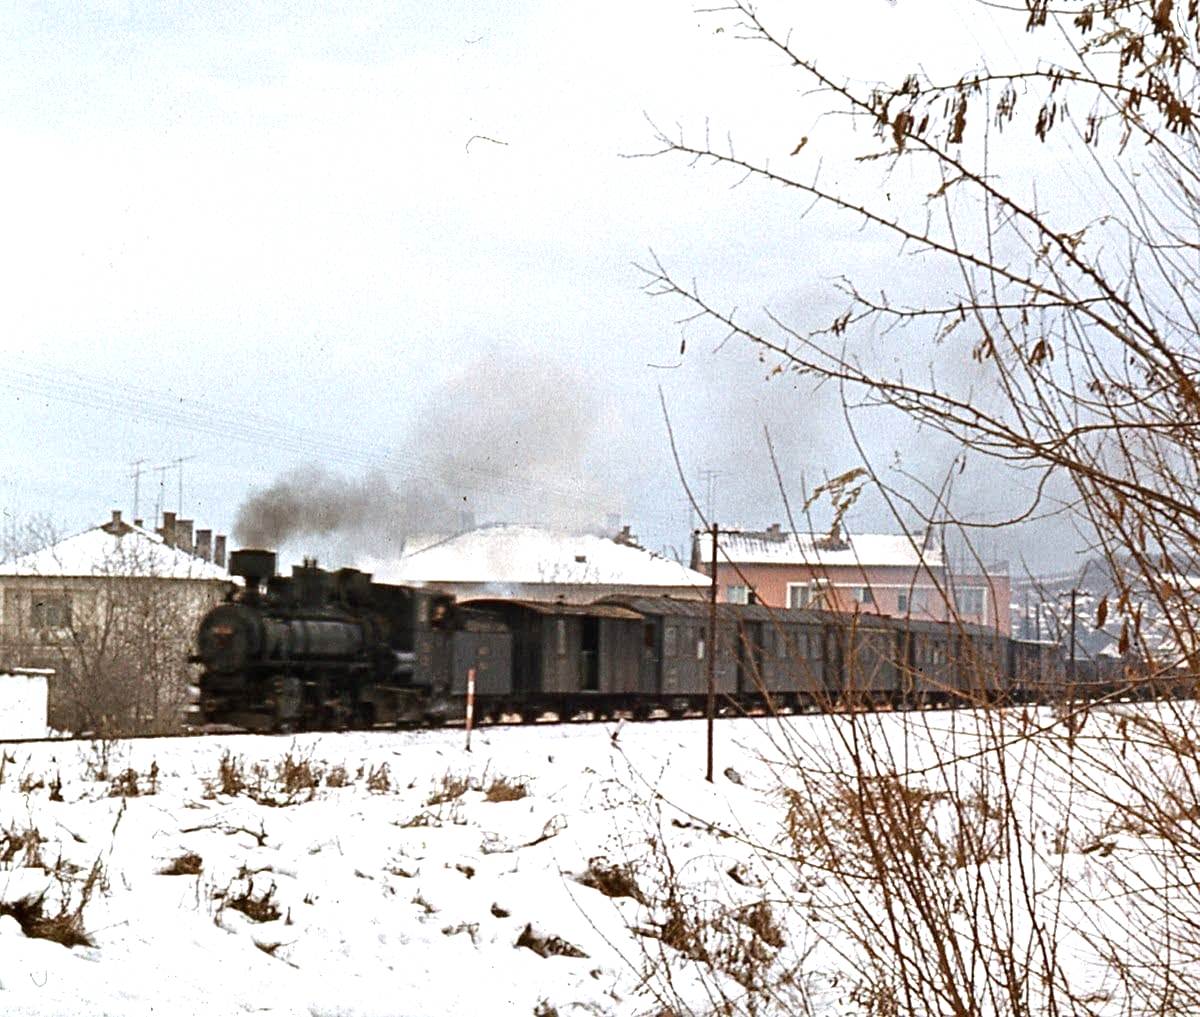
626 538
168 529
204 544
183 534
775 532
219 551
139 523
114 525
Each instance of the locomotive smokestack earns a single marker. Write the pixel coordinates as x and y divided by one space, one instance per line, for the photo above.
253 565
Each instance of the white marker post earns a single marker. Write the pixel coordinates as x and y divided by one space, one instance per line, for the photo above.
470 704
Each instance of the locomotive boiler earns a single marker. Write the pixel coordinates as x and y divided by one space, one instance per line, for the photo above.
321 649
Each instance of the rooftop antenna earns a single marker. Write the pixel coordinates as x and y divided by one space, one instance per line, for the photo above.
136 466
178 464
158 504
709 476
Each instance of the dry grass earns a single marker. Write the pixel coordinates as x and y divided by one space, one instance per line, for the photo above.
612 880
504 789
547 946
378 780
187 864
64 926
449 789
130 784
26 842
258 909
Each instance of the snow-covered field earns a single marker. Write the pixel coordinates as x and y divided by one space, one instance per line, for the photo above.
583 869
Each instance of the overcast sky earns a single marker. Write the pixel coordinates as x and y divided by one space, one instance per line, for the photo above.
276 237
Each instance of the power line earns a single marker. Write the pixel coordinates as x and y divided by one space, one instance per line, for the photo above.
20 374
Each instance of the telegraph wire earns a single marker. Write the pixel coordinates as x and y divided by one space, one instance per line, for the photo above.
89 392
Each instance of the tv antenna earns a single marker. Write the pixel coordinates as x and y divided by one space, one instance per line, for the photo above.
177 463
136 466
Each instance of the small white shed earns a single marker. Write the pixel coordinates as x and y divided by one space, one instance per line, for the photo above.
23 699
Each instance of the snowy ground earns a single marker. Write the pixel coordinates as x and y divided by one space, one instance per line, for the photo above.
374 874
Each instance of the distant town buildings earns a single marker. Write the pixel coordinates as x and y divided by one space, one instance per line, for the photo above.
537 564
112 612
872 573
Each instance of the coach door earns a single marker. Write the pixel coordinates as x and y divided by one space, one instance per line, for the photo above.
650 673
749 657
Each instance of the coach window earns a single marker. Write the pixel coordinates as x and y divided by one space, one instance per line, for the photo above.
669 641
561 632
737 594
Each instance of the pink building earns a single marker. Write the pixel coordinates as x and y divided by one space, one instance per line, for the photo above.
873 573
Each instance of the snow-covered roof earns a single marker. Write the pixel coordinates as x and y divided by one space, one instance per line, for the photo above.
778 547
126 550
528 554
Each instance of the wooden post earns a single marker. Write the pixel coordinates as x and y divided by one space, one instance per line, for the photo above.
1071 661
470 704
712 655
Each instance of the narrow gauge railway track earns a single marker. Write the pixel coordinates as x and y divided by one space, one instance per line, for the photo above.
511 720
725 711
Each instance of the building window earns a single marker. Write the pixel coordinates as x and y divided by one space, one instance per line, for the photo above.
737 595
969 601
865 596
50 611
798 595
902 603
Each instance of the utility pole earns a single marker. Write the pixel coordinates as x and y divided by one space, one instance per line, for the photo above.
1071 662
712 654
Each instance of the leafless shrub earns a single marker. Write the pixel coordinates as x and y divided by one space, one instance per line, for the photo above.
337 777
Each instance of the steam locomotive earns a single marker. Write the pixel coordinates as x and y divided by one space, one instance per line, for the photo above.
325 650
321 649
